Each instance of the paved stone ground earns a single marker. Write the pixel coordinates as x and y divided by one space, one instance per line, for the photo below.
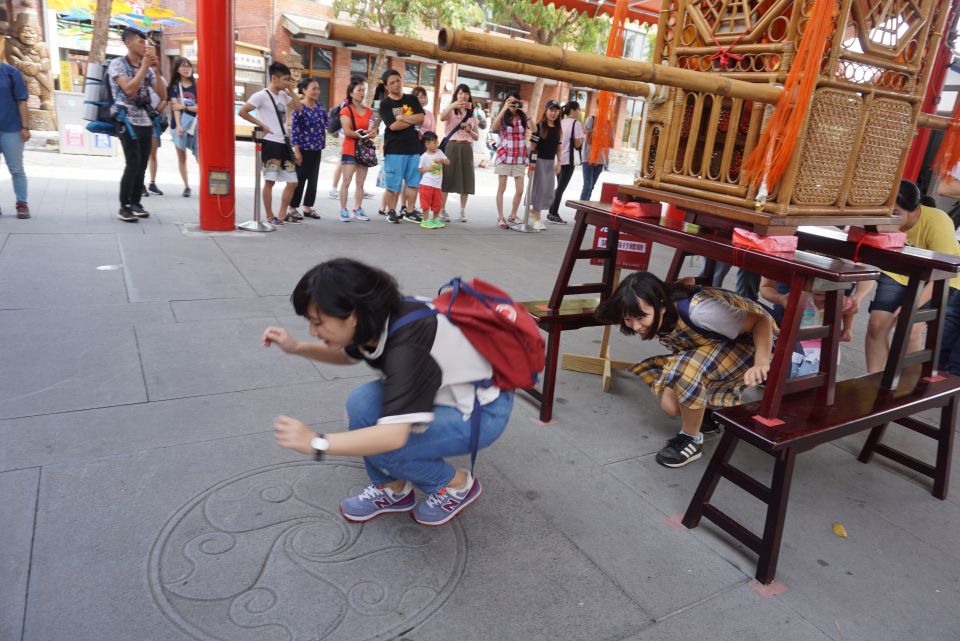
142 496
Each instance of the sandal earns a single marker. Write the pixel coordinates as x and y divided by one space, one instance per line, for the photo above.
502 224
513 220
311 213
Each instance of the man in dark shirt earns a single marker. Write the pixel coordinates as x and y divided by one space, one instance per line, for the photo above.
14 132
401 147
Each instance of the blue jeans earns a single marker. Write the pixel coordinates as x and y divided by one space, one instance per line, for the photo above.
11 147
590 175
420 461
950 341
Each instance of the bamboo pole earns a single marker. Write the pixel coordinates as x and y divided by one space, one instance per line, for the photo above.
453 40
378 39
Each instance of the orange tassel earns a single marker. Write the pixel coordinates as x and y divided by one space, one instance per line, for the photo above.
771 157
948 156
603 125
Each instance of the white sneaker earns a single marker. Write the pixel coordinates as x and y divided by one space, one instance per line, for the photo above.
334 194
444 218
463 216
538 225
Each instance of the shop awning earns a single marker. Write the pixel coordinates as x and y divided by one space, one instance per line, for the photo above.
303 25
647 11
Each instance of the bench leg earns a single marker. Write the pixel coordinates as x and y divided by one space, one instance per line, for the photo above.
866 454
550 373
708 483
948 418
776 513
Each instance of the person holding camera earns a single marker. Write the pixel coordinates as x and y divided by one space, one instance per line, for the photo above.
462 131
131 77
511 159
278 158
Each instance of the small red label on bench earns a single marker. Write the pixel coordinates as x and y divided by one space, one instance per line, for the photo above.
934 379
769 422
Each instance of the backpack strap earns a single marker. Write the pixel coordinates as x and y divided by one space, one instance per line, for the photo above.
683 310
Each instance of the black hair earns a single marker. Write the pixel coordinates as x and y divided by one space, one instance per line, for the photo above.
175 73
508 116
379 92
354 82
305 82
544 123
908 196
386 74
429 135
573 105
464 88
130 33
418 90
928 201
625 302
279 69
343 286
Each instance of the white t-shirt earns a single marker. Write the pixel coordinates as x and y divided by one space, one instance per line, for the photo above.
434 177
268 115
565 127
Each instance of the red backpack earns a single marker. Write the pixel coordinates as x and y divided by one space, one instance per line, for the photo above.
501 330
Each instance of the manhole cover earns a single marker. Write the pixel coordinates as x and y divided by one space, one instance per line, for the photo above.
266 556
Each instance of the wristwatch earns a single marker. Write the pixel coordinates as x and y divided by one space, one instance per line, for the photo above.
320 446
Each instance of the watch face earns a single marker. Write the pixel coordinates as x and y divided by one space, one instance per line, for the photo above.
319 443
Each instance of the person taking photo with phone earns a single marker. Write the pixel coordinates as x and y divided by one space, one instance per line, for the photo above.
131 77
462 131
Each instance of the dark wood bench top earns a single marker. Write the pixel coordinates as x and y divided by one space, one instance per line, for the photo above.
906 260
765 223
711 245
861 404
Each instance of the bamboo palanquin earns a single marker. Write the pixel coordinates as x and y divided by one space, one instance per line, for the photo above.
723 60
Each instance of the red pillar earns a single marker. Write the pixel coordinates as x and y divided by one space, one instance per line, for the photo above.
215 123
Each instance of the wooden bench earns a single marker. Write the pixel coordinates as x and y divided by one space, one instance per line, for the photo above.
866 405
804 271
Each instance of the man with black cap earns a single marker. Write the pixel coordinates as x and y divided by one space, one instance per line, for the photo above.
926 228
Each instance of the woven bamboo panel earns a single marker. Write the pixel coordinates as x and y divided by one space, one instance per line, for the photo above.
888 133
830 134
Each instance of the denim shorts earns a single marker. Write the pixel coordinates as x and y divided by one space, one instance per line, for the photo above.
401 168
889 295
348 159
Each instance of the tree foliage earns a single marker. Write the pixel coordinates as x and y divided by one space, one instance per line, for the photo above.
549 25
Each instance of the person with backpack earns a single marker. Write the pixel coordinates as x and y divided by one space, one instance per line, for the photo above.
448 372
131 78
720 345
183 123
278 158
14 132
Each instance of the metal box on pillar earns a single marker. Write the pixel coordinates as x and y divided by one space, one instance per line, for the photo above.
852 145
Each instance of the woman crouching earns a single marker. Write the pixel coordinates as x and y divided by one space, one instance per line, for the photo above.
720 344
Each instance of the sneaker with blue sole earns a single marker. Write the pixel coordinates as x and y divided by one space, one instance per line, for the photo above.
376 500
439 508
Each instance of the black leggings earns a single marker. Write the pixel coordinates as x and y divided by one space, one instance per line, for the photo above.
136 154
566 172
307 172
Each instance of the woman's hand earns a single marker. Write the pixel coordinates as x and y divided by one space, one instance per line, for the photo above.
293 434
281 338
179 130
177 105
757 374
556 168
297 156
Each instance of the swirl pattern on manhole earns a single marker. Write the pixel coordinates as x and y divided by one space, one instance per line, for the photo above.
266 556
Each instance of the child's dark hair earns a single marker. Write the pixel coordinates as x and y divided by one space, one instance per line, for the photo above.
343 286
909 196
429 135
625 302
279 69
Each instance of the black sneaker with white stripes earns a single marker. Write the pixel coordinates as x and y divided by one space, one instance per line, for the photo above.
679 451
